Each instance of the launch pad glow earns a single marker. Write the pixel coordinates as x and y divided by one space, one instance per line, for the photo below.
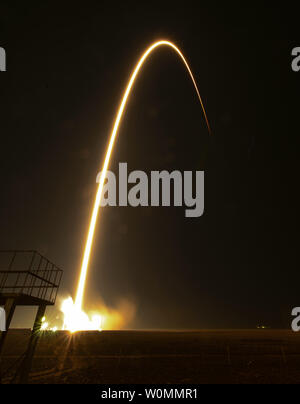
74 313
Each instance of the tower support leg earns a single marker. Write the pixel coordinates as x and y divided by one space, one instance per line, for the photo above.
27 362
9 308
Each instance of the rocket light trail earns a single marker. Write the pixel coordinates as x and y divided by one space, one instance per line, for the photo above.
93 220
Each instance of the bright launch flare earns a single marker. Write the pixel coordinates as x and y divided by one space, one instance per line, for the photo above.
89 241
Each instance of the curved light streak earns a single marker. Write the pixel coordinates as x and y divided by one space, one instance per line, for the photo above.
93 220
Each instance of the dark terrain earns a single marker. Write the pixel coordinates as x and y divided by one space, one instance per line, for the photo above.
224 356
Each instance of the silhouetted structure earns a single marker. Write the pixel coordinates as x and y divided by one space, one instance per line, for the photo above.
27 279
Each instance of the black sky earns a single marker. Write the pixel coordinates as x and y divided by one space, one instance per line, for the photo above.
66 69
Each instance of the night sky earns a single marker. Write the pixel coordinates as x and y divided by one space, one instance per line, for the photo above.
236 266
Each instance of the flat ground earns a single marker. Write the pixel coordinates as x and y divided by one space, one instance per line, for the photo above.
223 356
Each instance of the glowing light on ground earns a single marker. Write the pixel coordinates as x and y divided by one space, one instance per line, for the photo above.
100 319
75 318
44 324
